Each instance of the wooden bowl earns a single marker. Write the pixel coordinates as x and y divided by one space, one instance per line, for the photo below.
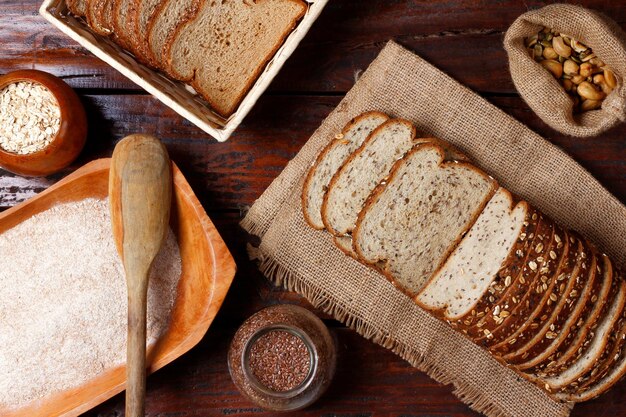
69 140
207 272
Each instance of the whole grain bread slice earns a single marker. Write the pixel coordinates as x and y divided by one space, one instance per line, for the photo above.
471 269
77 7
122 15
364 169
330 159
546 350
613 377
610 356
412 222
504 311
569 283
606 375
97 16
222 51
593 353
162 25
515 283
577 341
521 315
144 14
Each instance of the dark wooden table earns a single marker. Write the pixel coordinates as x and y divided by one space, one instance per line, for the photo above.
463 38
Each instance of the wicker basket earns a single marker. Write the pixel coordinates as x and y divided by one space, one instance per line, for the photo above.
178 96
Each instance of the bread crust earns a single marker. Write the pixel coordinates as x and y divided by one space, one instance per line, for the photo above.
540 354
333 181
95 16
566 281
190 13
585 333
376 193
320 157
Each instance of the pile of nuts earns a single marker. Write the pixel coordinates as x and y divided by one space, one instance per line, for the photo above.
30 117
581 73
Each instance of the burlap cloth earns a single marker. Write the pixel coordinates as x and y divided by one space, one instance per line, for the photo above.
542 91
304 260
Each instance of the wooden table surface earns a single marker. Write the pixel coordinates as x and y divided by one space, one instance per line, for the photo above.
463 38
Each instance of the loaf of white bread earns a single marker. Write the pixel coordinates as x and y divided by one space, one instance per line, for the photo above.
219 47
543 300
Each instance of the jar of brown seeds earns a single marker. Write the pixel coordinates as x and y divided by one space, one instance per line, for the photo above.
282 358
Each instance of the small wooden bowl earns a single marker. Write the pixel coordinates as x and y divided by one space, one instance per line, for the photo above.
207 272
69 140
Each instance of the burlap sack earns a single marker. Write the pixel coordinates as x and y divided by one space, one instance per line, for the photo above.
542 91
292 254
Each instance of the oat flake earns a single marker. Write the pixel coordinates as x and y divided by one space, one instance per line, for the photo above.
30 117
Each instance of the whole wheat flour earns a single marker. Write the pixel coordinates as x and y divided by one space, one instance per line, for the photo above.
63 301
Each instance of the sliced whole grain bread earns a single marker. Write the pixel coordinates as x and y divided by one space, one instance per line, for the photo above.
616 374
606 376
578 340
503 312
569 283
328 162
521 315
77 7
364 169
471 269
594 351
224 48
144 14
122 11
611 355
168 16
412 222
546 350
96 16
496 308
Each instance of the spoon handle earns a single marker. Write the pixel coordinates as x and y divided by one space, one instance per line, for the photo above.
136 346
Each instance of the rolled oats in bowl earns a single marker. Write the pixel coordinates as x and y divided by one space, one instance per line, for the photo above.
30 117
568 64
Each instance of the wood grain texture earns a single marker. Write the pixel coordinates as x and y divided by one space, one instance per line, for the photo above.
232 175
461 37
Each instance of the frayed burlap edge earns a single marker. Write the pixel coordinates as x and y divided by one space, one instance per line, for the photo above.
280 276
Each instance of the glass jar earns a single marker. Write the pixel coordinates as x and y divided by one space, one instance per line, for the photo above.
282 358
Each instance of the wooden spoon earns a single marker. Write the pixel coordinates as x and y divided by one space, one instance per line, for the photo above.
140 194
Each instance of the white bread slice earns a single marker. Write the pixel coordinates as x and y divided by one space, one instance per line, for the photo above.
223 49
331 159
544 352
565 289
495 311
469 271
594 350
362 172
578 340
413 221
169 15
